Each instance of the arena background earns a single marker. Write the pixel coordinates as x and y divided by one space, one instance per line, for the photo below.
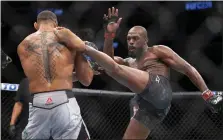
192 29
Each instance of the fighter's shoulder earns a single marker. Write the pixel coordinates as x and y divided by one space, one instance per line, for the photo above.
129 60
24 43
160 48
26 40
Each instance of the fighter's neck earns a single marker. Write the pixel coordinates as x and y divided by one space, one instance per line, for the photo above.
141 52
45 27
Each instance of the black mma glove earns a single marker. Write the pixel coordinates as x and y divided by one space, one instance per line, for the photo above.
106 21
111 23
97 69
215 102
12 130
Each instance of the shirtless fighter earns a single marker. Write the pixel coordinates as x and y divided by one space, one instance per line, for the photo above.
146 73
48 64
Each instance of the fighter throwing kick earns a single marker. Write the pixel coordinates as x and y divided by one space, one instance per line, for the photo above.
145 73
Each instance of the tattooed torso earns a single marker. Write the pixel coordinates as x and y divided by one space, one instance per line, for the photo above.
47 63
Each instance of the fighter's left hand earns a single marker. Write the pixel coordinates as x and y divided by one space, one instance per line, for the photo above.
215 102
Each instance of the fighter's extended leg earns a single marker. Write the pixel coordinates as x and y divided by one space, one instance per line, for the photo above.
136 80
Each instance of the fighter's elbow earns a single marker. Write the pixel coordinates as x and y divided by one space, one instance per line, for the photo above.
87 80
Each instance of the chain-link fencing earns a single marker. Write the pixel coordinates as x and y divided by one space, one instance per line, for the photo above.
108 116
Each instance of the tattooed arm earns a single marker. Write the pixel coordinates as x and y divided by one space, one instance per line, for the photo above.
83 70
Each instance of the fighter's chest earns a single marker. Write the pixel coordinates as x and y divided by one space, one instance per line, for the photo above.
143 63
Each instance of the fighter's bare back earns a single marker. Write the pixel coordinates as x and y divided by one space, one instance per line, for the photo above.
47 63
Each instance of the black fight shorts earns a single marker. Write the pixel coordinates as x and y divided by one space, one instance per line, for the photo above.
152 105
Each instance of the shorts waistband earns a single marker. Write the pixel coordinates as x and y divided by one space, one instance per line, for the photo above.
69 93
35 93
159 75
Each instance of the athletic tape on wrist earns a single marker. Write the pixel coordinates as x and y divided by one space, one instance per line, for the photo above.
109 35
207 94
205 91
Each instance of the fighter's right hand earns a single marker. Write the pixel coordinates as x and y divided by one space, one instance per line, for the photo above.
12 130
62 33
69 38
112 21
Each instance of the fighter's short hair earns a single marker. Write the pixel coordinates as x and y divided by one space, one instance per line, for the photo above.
47 15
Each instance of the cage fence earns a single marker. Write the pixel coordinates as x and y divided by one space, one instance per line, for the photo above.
107 117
